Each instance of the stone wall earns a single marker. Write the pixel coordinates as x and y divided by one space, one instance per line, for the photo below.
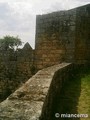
52 99
15 69
53 32
37 95
82 52
59 36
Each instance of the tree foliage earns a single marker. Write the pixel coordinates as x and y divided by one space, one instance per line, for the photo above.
10 42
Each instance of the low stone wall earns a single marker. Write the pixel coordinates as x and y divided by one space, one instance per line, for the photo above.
53 96
12 76
37 96
15 69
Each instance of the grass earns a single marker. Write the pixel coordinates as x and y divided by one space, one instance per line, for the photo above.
84 99
75 97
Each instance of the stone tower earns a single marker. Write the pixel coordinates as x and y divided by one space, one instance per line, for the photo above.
63 36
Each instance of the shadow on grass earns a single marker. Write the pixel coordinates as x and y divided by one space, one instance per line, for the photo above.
67 101
63 95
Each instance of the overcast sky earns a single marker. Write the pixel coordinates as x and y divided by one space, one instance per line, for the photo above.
18 17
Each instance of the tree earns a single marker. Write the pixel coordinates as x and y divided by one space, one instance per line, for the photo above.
9 42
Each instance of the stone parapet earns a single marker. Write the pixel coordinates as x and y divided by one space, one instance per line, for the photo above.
27 102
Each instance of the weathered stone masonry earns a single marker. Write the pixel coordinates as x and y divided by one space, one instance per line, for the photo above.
63 36
38 92
82 40
60 36
15 69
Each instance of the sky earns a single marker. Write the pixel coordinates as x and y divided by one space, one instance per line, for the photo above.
18 17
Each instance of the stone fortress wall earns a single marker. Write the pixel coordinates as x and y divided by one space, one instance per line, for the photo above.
37 96
63 36
15 69
60 36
